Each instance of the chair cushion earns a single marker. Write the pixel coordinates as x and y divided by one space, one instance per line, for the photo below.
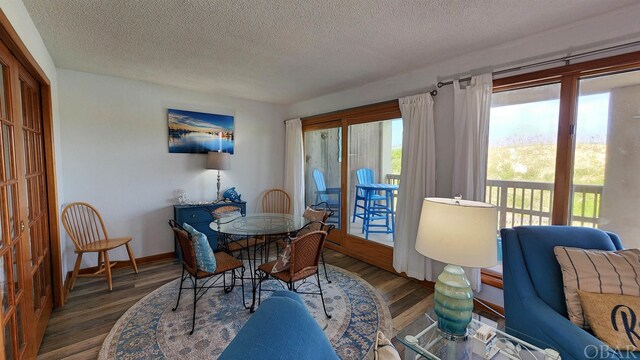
596 271
611 318
537 244
284 260
205 259
313 215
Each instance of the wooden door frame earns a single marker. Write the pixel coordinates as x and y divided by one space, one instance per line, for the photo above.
11 39
371 252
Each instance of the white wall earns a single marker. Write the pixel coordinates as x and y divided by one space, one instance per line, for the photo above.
115 149
24 26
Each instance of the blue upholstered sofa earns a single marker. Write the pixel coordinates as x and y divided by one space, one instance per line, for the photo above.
280 329
534 302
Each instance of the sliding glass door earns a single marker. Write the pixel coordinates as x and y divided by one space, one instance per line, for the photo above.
605 182
352 163
375 153
323 167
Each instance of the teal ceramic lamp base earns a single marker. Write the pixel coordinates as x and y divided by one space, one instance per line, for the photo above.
453 301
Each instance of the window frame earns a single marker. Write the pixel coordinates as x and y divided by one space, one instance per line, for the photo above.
568 76
376 254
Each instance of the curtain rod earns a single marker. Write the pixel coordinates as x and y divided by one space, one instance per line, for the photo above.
433 93
565 59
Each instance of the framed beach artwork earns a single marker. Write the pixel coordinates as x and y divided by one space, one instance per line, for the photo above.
196 132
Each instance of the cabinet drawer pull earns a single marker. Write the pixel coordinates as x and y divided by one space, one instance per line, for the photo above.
193 216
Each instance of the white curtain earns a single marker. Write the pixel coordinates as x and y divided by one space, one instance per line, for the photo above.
471 141
294 165
417 181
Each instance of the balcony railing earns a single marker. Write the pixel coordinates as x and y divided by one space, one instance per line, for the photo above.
530 203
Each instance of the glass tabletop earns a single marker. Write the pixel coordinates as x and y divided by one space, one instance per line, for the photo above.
423 338
259 224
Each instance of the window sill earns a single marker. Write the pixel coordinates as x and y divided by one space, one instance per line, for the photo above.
491 278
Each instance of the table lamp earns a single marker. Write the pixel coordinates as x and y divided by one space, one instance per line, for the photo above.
217 160
459 233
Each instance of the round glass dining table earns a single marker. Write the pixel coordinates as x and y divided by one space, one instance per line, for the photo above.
259 224
253 231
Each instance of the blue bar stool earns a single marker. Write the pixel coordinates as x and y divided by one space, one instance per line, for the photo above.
364 176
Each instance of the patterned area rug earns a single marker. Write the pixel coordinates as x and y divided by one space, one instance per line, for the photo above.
150 330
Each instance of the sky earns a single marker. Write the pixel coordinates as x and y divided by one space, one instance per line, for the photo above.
201 120
537 122
396 133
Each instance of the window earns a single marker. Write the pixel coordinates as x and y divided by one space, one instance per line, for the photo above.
523 135
564 149
606 188
323 163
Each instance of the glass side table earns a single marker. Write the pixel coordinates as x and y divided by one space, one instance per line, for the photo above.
422 339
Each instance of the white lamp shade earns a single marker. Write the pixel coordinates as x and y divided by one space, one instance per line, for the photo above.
458 232
218 161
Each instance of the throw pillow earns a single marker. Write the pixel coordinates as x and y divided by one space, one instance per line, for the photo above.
384 349
596 271
313 216
284 260
205 259
613 318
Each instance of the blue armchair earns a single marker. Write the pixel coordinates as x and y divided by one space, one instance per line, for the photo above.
534 301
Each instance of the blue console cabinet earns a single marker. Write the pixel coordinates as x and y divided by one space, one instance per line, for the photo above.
199 216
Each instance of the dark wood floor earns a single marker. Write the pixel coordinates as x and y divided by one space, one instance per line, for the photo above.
77 330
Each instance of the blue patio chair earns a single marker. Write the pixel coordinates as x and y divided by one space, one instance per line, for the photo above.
330 196
364 176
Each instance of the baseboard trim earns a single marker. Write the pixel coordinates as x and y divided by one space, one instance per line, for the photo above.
124 263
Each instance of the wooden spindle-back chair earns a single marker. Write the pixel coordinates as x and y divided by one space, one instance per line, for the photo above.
276 201
86 228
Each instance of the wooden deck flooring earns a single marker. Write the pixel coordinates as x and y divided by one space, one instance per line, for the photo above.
77 330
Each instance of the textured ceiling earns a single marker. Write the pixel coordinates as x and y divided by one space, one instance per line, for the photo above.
286 50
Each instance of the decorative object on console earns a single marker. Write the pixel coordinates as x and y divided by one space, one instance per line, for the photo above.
218 161
232 195
181 196
196 132
459 233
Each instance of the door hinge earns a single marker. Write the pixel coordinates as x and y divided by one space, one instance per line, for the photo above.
21 226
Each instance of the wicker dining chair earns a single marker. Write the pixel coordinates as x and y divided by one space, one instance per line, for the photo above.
224 263
304 259
86 229
316 225
276 201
